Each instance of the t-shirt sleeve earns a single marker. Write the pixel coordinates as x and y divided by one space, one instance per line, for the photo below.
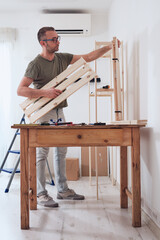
68 57
32 71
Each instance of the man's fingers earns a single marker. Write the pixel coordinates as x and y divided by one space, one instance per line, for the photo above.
56 90
59 91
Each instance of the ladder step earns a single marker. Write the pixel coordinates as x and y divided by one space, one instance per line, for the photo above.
9 170
14 151
14 170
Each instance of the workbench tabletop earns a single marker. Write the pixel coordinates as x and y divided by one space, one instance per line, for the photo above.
34 126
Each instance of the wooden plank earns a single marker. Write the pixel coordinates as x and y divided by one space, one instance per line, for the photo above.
123 177
24 179
116 79
122 76
61 87
119 93
100 43
95 93
55 81
106 90
32 178
111 71
139 122
136 186
128 122
100 94
52 104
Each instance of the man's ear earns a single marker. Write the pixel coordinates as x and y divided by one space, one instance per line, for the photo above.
42 43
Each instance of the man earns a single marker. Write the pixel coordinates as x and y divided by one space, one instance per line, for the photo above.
40 71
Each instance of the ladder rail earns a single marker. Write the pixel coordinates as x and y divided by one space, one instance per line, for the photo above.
14 137
50 174
18 161
12 176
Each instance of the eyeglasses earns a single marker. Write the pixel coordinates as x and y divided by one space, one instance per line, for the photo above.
54 39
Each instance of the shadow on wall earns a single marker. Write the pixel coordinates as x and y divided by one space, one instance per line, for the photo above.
147 143
133 79
149 170
99 24
154 76
150 136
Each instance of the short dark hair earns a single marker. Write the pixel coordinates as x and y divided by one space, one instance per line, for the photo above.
42 31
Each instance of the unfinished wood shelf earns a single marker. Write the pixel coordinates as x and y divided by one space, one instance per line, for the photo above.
115 93
66 82
116 82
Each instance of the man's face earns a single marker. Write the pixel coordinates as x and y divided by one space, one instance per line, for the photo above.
51 41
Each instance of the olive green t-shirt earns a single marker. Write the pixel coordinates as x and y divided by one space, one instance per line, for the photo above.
43 71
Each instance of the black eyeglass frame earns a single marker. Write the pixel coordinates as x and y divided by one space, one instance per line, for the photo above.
54 39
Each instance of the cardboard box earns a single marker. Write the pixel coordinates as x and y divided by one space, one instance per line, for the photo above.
102 161
72 169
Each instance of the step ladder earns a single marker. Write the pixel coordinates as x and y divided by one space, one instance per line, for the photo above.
14 170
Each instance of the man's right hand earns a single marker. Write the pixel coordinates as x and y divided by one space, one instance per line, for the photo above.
52 92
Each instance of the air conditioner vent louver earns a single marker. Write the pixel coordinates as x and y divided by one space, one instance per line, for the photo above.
70 31
68 24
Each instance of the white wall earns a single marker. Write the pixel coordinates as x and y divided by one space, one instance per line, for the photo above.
26 47
137 23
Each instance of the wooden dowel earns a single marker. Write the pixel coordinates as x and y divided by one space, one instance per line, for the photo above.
30 193
112 167
111 69
96 164
128 193
89 103
90 167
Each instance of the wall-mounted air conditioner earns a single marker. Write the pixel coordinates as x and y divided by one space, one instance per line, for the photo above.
68 24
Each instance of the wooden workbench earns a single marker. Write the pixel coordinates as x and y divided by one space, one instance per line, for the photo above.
33 136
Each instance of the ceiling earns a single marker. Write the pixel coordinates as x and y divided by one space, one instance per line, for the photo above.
56 6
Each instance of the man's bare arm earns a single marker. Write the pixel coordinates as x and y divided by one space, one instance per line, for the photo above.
26 91
89 57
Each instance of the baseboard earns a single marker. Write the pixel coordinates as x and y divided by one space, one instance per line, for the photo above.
151 224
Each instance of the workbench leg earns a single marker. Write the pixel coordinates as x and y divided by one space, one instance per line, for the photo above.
136 183
123 177
24 179
32 179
